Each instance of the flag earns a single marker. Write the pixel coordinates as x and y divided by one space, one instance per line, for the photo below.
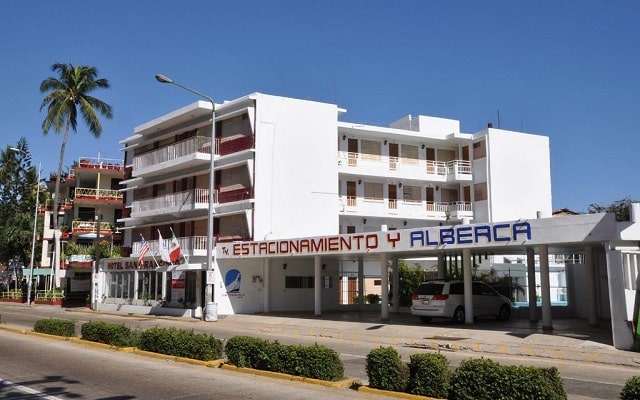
164 252
143 251
174 248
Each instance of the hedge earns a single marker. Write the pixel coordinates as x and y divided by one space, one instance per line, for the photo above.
181 343
104 332
58 327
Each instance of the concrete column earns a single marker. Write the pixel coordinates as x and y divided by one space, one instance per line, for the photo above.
396 286
590 289
317 289
164 286
468 286
266 284
543 252
442 266
622 334
360 281
531 284
56 256
384 283
136 286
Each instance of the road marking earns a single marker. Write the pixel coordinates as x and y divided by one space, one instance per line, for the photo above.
25 389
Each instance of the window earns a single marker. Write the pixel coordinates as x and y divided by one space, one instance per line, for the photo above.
298 282
371 150
411 194
479 149
373 191
480 191
409 154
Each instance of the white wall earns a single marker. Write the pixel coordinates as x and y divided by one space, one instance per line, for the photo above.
519 175
296 169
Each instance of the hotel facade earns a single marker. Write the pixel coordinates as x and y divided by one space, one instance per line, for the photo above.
308 207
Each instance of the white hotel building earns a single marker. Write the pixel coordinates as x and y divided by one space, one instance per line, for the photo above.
287 169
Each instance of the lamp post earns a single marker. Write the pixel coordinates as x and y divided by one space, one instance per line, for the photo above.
35 225
210 280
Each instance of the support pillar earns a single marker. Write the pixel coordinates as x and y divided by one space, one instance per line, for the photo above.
531 285
442 266
545 287
360 281
266 284
590 289
395 283
622 333
468 286
384 283
317 288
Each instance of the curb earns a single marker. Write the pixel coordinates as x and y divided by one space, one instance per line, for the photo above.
399 395
345 383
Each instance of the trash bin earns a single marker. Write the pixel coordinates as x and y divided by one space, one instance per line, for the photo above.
211 312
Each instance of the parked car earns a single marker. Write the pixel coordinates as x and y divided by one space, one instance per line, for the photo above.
445 299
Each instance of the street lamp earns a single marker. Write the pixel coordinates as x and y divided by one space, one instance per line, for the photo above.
209 290
35 225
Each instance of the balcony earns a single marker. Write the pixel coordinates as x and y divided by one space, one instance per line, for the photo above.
194 151
89 227
100 165
404 168
97 196
225 146
189 245
416 209
196 199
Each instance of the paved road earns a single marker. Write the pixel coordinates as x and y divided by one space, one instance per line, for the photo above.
571 342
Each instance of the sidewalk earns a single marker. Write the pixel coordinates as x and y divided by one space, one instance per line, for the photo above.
570 339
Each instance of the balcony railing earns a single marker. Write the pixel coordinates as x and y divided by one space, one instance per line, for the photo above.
410 168
405 208
79 227
189 245
199 144
235 195
180 201
107 164
97 194
224 147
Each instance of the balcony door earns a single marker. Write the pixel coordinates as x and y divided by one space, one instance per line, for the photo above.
393 197
430 199
351 193
393 156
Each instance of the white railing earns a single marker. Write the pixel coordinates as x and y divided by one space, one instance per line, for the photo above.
405 207
407 167
173 151
188 245
459 167
181 200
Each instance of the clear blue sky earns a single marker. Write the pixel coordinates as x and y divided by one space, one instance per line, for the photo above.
565 69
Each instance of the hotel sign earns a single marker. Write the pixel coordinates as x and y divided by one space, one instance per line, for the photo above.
433 238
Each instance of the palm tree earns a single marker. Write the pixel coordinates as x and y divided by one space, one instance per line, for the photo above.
67 96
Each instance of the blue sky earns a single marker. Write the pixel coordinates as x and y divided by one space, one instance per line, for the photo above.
568 70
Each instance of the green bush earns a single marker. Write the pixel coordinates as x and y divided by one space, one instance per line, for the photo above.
631 389
58 327
181 343
386 370
477 379
113 334
429 375
249 352
315 361
482 379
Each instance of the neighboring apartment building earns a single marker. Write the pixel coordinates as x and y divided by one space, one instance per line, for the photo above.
90 197
287 168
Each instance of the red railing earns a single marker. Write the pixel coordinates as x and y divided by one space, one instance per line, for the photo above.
234 145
